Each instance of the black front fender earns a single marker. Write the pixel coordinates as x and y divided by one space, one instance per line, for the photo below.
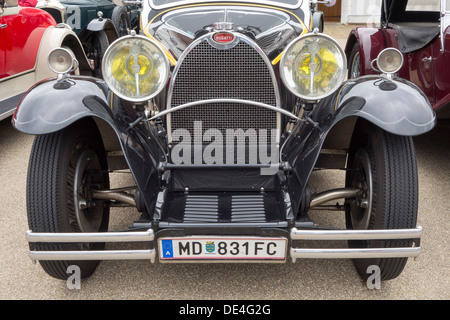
52 105
97 25
397 106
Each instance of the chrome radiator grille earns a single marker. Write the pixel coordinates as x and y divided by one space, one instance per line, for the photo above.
210 73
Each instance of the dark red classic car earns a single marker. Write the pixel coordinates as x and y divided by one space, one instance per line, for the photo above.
422 34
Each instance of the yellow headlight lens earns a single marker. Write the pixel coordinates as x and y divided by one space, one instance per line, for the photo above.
135 68
313 66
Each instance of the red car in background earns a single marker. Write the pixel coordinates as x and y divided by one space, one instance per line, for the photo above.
421 31
27 35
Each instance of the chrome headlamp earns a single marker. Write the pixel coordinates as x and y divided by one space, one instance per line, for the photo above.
313 66
389 61
135 68
61 61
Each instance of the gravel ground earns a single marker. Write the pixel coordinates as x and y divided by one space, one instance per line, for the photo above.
423 278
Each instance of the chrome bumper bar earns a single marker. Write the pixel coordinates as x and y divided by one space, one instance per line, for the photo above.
145 236
295 234
354 253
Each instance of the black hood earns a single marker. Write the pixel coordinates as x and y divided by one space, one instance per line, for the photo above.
271 29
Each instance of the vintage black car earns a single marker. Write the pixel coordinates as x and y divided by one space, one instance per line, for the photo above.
221 113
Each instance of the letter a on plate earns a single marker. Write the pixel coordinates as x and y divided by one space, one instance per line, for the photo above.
167 248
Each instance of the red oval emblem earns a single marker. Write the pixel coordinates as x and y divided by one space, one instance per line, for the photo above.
223 37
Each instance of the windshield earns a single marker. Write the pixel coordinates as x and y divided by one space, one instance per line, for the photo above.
430 5
169 3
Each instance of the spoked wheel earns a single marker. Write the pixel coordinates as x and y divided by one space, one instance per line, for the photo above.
354 66
384 166
120 19
64 168
95 47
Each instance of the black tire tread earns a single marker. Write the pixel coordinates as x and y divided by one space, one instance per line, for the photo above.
103 42
400 170
395 195
117 13
47 192
355 49
42 193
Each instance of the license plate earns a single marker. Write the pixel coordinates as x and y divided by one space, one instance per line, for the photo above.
222 248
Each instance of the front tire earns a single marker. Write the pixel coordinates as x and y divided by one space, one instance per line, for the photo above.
354 62
120 19
64 166
95 47
384 166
